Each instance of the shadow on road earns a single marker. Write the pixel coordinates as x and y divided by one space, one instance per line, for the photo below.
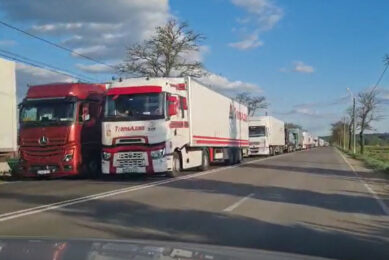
304 169
357 203
136 220
332 201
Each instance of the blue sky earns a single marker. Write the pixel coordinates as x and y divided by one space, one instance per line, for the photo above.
302 55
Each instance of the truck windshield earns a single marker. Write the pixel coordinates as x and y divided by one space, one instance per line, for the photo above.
257 131
47 113
135 107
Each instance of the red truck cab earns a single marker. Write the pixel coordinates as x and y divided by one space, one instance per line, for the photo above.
60 129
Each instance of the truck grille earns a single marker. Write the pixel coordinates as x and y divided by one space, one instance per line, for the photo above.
43 153
130 159
35 141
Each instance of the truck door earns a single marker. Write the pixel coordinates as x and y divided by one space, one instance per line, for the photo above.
89 117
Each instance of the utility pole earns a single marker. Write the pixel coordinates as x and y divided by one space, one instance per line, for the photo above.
354 125
354 120
344 133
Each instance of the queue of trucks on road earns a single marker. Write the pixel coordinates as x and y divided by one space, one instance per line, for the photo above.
139 125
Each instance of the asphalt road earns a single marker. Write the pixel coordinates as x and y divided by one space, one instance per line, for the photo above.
308 202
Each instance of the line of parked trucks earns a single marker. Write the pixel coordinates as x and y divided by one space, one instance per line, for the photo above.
142 125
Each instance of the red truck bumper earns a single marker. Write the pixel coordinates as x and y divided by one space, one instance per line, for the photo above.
40 163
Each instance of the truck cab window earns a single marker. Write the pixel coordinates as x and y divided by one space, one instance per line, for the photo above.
257 131
46 113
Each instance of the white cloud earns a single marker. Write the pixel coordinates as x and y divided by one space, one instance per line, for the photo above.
95 50
301 67
83 25
227 86
250 42
7 43
383 95
305 111
94 68
262 15
27 75
197 55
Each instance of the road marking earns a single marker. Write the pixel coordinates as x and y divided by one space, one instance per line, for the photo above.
8 182
65 203
367 186
238 203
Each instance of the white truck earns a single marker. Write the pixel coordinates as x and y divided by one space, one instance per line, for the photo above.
266 135
308 141
8 113
157 125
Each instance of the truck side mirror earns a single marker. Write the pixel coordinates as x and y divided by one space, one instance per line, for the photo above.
172 105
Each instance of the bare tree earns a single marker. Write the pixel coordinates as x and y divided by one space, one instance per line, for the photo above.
167 53
367 113
253 103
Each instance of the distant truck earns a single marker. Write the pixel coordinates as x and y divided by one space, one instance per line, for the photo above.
290 141
298 137
267 135
308 141
8 114
158 125
60 129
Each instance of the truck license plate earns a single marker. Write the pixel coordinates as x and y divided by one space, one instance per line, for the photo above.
43 172
131 169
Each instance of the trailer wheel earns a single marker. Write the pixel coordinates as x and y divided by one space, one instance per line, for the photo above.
204 161
272 151
176 169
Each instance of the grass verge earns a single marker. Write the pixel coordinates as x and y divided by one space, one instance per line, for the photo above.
375 163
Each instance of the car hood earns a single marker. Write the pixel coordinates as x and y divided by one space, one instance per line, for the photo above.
58 249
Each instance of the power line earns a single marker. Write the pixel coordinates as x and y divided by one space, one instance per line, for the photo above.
42 65
381 76
55 44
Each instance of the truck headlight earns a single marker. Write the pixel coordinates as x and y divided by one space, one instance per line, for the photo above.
157 153
68 157
106 156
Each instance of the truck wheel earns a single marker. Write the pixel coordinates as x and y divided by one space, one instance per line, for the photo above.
204 161
272 151
176 167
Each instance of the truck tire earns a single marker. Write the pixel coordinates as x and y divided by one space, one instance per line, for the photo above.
272 151
204 161
176 167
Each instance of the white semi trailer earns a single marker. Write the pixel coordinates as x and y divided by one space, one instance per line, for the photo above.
155 125
8 113
308 140
266 135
